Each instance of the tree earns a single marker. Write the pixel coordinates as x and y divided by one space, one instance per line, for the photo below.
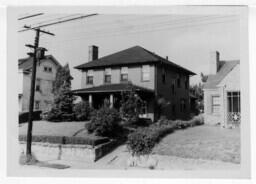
197 91
62 109
203 77
131 105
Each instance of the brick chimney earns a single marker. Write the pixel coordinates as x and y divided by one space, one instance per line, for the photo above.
214 62
93 53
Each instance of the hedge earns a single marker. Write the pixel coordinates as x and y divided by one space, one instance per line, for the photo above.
66 140
143 140
23 116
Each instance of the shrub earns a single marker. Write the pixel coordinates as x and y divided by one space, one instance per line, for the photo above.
82 111
66 140
104 122
131 106
23 116
55 115
198 120
143 140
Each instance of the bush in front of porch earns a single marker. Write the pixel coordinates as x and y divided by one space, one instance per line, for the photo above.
104 122
131 106
82 111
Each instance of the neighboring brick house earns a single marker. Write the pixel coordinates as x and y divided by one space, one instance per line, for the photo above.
151 75
45 76
222 92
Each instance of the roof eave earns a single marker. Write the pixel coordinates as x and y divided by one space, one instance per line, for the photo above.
81 67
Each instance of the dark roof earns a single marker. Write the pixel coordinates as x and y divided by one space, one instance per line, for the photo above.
26 63
131 56
214 80
111 88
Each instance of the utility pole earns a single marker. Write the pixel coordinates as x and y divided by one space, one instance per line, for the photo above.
37 55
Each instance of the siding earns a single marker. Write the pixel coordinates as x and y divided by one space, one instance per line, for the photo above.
230 83
211 118
164 89
134 76
45 96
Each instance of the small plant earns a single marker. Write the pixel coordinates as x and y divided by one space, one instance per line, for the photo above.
104 122
82 111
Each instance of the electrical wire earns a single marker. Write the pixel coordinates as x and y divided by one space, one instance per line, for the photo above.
160 28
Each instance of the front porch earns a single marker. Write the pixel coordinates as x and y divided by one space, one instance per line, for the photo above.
112 94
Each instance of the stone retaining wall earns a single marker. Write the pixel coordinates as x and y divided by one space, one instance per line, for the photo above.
87 153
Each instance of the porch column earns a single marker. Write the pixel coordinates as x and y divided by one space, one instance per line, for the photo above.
111 100
90 100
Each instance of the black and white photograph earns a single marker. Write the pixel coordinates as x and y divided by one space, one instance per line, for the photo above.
121 90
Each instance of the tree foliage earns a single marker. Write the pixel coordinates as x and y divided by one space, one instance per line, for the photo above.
104 122
62 109
131 105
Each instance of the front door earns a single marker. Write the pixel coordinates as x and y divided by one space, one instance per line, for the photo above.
233 108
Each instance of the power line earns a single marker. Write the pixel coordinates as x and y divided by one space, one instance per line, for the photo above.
62 21
52 20
101 23
158 24
29 16
159 28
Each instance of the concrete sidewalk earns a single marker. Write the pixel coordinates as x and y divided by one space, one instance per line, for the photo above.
119 157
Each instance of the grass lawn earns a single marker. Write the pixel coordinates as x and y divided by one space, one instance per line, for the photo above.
202 142
54 129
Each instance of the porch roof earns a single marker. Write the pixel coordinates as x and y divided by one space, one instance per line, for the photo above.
111 88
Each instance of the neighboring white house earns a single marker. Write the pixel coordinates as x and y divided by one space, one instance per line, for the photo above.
222 92
45 76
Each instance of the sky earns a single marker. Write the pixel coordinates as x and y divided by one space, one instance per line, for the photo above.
187 40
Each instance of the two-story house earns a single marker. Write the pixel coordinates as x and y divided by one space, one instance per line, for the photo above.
152 77
45 76
222 92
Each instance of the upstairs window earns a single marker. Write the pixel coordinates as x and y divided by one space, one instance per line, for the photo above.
48 69
215 104
178 82
124 74
38 85
186 82
145 73
107 78
89 77
37 104
163 75
173 87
